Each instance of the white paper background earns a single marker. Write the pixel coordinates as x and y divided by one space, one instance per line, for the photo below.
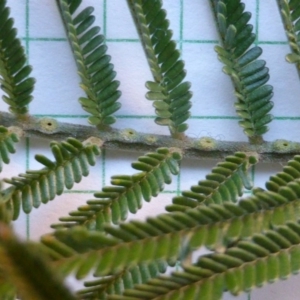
57 91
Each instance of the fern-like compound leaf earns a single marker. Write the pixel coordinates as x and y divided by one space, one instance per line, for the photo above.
114 202
72 160
249 75
173 236
116 284
226 183
289 175
14 71
263 259
94 67
170 94
168 237
290 13
7 141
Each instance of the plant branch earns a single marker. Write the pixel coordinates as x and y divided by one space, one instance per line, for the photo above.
130 140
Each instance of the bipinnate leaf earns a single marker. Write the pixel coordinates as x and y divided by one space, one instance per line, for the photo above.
127 192
93 64
72 161
14 71
225 183
290 14
115 284
173 236
249 75
170 95
250 263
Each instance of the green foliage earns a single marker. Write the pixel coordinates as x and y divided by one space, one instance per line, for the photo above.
7 141
72 160
290 13
14 73
127 192
94 67
32 275
169 237
265 258
252 241
168 91
126 279
225 183
248 74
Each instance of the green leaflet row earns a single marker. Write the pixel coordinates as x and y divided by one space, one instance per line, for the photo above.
225 183
290 13
116 283
169 93
173 236
93 64
14 71
265 259
31 189
7 145
126 194
249 75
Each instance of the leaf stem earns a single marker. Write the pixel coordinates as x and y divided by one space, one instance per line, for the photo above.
130 140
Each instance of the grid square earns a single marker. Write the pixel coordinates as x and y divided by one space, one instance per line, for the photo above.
50 26
199 22
270 30
57 79
120 24
284 79
212 89
133 72
18 13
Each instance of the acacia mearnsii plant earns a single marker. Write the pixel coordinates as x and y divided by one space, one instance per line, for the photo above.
252 240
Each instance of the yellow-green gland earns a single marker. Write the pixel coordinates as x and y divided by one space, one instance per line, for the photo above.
48 125
207 143
129 134
282 145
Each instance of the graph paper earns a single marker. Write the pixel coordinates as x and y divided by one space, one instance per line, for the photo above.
43 36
